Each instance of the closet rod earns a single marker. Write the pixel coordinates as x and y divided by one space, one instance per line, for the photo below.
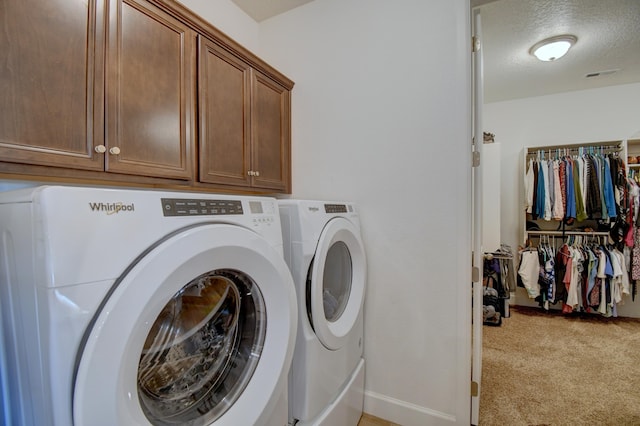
561 233
490 256
609 149
604 144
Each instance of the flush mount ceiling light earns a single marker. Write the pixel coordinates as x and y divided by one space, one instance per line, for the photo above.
553 48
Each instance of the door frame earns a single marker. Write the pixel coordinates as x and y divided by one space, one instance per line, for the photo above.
477 196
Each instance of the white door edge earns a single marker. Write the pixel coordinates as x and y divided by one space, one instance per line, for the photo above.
478 256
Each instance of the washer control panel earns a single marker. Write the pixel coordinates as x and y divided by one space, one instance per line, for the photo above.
200 207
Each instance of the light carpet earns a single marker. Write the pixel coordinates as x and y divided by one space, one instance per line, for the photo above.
546 368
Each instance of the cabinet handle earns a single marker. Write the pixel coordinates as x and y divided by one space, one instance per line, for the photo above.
115 150
256 173
251 173
100 149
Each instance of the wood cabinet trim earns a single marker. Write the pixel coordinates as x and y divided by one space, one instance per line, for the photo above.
203 27
42 174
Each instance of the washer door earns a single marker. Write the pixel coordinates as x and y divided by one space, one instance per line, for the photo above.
336 282
199 330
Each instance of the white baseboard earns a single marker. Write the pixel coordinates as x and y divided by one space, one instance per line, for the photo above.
402 412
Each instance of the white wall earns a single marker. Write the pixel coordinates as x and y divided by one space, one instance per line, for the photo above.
381 116
491 162
228 18
604 114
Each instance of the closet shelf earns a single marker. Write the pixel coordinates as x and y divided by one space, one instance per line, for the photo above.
555 151
563 233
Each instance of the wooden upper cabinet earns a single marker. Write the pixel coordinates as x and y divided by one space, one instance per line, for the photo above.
149 92
270 130
224 99
244 122
109 90
51 79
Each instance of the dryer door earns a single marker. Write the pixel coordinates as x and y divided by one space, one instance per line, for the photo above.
336 282
198 330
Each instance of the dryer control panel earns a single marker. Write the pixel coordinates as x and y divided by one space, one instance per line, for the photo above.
336 208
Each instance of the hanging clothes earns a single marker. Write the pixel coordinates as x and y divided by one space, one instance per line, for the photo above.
557 212
570 213
584 277
574 188
528 272
529 184
571 187
581 215
609 198
592 203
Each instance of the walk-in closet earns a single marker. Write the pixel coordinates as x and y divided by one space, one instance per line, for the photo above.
580 234
567 348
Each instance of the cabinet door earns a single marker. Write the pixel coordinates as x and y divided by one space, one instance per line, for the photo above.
224 101
270 131
150 61
51 82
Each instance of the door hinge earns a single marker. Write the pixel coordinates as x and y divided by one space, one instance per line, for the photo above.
475 274
474 388
476 158
475 44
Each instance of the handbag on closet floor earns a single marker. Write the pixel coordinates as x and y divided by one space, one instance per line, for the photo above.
491 306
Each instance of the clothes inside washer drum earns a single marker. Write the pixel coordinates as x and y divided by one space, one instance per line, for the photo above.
189 363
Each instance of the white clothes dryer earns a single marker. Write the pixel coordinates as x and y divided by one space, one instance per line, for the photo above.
324 250
127 307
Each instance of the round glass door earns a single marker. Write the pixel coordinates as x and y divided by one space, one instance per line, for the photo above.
336 283
183 338
202 349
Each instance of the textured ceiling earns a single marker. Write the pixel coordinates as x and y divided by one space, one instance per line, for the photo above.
608 34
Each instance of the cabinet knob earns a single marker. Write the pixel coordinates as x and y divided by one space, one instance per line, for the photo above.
115 150
256 173
100 149
251 173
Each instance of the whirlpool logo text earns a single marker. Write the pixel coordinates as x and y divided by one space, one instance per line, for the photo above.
112 208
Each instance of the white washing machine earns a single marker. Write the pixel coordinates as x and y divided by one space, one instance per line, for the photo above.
324 250
123 307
